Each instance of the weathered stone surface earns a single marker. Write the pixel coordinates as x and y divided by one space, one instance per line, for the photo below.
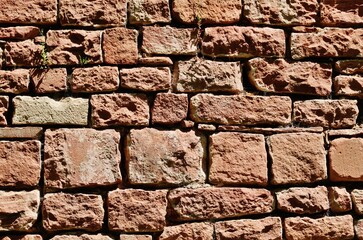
237 158
49 80
119 109
4 105
29 12
170 41
239 109
23 237
345 132
70 47
357 198
82 237
199 75
327 42
169 108
326 228
18 210
45 110
339 200
348 86
64 211
218 203
120 46
359 229
143 12
187 124
345 157
133 210
278 12
177 159
92 13
258 229
15 81
326 113
279 76
95 79
146 78
19 32
24 53
207 11
297 158
81 158
156 61
20 132
20 163
349 66
243 42
207 127
135 237
341 12
303 200
188 231
268 131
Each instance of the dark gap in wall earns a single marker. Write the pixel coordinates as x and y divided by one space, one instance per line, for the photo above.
123 164
247 85
288 32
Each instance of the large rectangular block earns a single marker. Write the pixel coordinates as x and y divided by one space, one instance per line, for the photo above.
15 81
348 86
341 12
243 42
24 53
48 111
239 109
146 78
145 12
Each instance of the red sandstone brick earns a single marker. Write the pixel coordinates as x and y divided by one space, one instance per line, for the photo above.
120 46
133 210
169 108
341 12
24 53
19 32
82 237
144 12
359 229
20 163
188 231
14 81
22 237
21 132
4 105
49 80
135 237
357 198
353 66
339 200
351 86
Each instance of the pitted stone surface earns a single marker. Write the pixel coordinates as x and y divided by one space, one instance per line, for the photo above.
146 12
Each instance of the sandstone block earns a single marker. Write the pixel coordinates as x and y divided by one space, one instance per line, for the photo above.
277 12
45 110
341 12
4 105
188 231
24 53
20 163
169 108
18 210
327 42
119 109
49 80
326 113
149 12
81 158
218 203
135 237
133 210
207 11
20 132
199 75
120 46
351 86
14 81
72 47
64 211
82 237
146 78
29 12
349 66
239 109
359 229
339 200
170 41
325 228
303 200
262 229
243 42
177 159
19 32
207 127
345 159
357 198
22 237
94 13
95 79
297 158
279 76
156 61
237 158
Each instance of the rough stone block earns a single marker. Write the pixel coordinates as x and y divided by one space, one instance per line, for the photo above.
20 132
15 81
49 80
169 108
19 32
357 198
339 200
354 66
203 231
82 237
144 12
351 86
341 12
24 53
4 105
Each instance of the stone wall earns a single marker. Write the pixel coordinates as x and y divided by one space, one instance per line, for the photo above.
181 119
